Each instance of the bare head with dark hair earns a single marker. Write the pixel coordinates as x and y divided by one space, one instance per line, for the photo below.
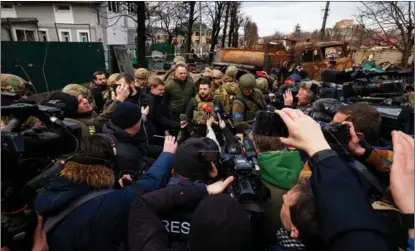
204 88
180 72
264 143
99 78
299 215
125 79
157 86
365 118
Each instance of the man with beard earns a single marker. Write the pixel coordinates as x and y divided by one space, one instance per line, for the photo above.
179 91
197 109
221 91
163 120
142 99
141 76
78 109
98 86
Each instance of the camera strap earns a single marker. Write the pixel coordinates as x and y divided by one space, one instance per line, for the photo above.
52 221
369 177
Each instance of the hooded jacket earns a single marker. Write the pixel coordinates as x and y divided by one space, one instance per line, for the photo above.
100 223
279 172
130 148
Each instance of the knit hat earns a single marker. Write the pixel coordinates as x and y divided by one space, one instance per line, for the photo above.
126 115
71 103
186 160
220 223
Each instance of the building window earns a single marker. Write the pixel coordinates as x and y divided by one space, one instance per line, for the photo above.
43 36
25 35
65 36
114 6
7 6
63 7
132 8
83 36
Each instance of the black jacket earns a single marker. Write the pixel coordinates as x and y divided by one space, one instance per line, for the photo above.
162 117
141 99
130 148
347 220
145 230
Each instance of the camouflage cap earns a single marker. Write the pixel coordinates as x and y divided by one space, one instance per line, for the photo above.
142 73
231 71
262 84
13 83
111 79
216 74
76 90
178 59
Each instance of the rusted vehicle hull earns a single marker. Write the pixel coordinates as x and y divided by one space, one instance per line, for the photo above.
249 59
314 69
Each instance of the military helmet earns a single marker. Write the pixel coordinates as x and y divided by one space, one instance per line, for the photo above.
178 59
142 73
216 74
262 84
13 83
231 71
247 81
111 79
76 90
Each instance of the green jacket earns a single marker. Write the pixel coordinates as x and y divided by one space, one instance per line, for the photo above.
178 96
279 172
95 121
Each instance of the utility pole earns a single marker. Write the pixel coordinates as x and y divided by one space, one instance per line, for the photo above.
200 28
323 27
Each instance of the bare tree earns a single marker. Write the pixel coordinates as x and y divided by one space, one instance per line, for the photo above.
225 25
171 16
386 20
235 23
215 12
250 33
190 22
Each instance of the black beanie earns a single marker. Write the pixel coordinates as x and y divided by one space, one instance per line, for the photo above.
186 160
71 103
220 223
126 115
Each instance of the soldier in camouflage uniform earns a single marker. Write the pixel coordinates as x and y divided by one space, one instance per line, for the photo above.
229 80
262 85
221 92
195 111
15 84
76 90
107 95
141 76
248 102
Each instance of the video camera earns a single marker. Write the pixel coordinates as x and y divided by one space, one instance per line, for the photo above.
27 155
368 84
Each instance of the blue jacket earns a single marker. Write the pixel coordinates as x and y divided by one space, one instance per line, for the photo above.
101 223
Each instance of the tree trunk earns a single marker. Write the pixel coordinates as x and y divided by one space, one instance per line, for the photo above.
225 24
170 38
235 40
190 26
141 35
232 23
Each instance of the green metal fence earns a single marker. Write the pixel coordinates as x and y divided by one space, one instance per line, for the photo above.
52 65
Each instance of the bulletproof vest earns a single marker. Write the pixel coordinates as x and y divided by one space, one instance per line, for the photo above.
224 97
252 104
199 115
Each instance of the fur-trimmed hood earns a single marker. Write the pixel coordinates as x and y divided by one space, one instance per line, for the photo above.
73 181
